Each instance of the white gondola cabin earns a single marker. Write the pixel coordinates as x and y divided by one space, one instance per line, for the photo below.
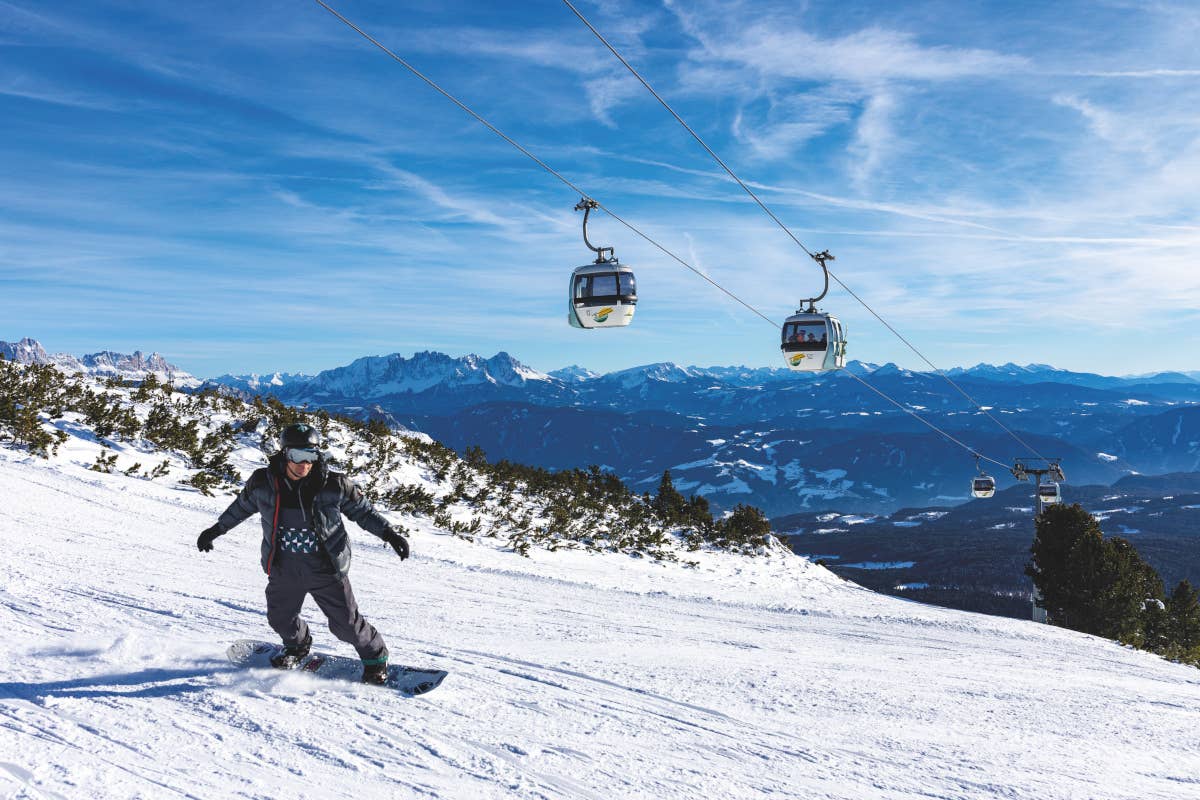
983 486
1049 493
602 295
813 341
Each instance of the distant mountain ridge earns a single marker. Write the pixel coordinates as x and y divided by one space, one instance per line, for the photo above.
262 384
373 377
106 363
380 376
766 436
1043 373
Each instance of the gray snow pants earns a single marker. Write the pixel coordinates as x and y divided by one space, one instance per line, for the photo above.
294 575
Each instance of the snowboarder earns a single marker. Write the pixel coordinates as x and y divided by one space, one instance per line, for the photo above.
305 547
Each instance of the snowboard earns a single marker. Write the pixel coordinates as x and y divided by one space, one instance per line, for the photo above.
407 680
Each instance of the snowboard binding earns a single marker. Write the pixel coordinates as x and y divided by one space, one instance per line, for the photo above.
292 655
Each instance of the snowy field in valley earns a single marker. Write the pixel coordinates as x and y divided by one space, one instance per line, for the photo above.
572 675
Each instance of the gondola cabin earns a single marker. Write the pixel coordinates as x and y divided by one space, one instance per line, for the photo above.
602 295
813 341
1049 493
983 486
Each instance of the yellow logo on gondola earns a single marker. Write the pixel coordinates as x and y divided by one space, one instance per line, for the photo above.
602 314
796 359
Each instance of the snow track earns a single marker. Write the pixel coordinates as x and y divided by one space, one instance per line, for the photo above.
571 675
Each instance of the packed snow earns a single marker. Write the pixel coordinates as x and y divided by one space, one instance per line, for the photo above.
572 674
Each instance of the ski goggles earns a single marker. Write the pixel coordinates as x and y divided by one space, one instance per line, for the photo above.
297 455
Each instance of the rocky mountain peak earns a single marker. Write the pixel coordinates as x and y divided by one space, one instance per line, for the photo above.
574 374
106 362
26 351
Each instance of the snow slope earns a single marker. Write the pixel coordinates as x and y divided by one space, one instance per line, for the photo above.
573 675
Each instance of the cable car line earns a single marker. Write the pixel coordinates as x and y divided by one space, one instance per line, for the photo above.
917 416
688 128
815 256
587 202
433 84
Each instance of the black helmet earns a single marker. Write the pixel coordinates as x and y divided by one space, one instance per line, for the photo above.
300 435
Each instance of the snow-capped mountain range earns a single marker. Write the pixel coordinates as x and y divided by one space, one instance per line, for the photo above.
768 437
105 364
772 438
375 377
262 384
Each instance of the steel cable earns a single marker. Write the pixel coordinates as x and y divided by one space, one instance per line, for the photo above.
464 107
788 231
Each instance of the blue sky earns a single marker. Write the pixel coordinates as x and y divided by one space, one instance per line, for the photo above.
253 187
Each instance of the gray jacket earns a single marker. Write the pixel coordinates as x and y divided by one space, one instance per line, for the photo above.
331 495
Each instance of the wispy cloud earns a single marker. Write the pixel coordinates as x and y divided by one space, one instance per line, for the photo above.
867 56
609 91
782 43
1105 123
1141 73
874 139
23 87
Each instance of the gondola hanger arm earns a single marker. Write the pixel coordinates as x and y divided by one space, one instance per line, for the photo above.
586 204
820 258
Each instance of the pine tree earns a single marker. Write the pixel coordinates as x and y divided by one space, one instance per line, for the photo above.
475 457
1060 529
1183 623
696 513
1089 583
1155 632
149 384
746 526
669 503
1116 591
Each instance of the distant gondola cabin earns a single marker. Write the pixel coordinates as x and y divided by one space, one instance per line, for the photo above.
1049 493
983 486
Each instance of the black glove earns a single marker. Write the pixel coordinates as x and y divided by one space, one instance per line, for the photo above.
399 544
204 543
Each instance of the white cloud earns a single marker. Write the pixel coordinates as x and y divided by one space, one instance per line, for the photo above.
16 20
860 75
791 119
607 92
873 138
545 48
1108 125
29 88
776 141
866 56
1142 73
